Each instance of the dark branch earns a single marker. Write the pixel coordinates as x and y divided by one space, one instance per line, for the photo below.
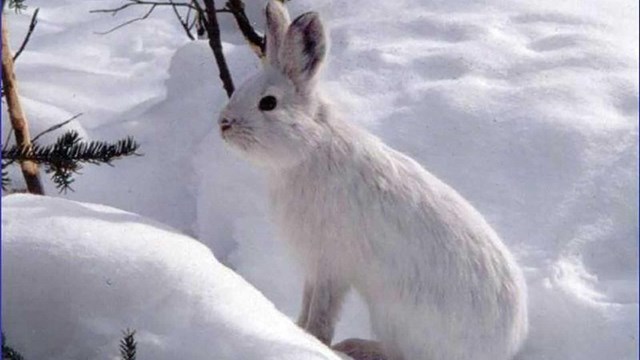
32 26
215 43
114 11
184 23
236 7
17 5
154 4
143 17
55 127
206 17
188 13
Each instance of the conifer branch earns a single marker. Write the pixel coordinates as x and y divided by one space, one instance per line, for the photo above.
66 156
143 17
128 345
6 181
17 5
9 353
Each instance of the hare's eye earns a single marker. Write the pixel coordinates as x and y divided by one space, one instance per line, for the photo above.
267 103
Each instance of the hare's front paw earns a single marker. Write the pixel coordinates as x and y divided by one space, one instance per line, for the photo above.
360 349
321 307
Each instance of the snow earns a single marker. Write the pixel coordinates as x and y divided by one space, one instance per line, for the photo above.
528 109
101 270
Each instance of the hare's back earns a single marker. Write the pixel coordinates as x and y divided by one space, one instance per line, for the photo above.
440 267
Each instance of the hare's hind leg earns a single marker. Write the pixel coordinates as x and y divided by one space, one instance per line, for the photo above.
360 349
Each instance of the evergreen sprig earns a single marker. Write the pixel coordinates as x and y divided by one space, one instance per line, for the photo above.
66 156
6 181
128 345
8 353
17 5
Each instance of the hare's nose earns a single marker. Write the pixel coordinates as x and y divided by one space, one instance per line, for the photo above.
225 124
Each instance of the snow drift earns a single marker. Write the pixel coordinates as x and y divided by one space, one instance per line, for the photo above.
75 275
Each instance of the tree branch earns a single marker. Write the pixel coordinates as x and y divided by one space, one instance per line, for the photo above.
55 127
146 15
191 6
215 43
255 40
32 27
65 157
114 11
208 18
184 23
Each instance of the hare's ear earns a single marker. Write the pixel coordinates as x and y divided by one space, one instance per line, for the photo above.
303 50
277 23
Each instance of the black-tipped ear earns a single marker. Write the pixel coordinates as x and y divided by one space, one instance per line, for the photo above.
304 49
277 23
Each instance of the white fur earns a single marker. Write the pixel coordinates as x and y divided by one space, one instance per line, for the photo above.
439 283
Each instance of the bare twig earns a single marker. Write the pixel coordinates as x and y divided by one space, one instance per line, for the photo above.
55 127
153 4
114 11
188 17
184 23
215 43
207 18
32 26
143 17
199 24
255 40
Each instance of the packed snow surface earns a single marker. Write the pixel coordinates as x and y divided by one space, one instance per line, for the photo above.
76 275
528 109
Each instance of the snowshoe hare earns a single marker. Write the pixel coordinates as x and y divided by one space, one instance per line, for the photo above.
439 283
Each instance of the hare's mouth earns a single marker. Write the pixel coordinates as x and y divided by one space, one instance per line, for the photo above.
238 136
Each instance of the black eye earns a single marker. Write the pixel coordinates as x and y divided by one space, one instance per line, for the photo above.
267 103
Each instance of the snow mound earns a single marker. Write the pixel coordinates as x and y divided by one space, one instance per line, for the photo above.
75 275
